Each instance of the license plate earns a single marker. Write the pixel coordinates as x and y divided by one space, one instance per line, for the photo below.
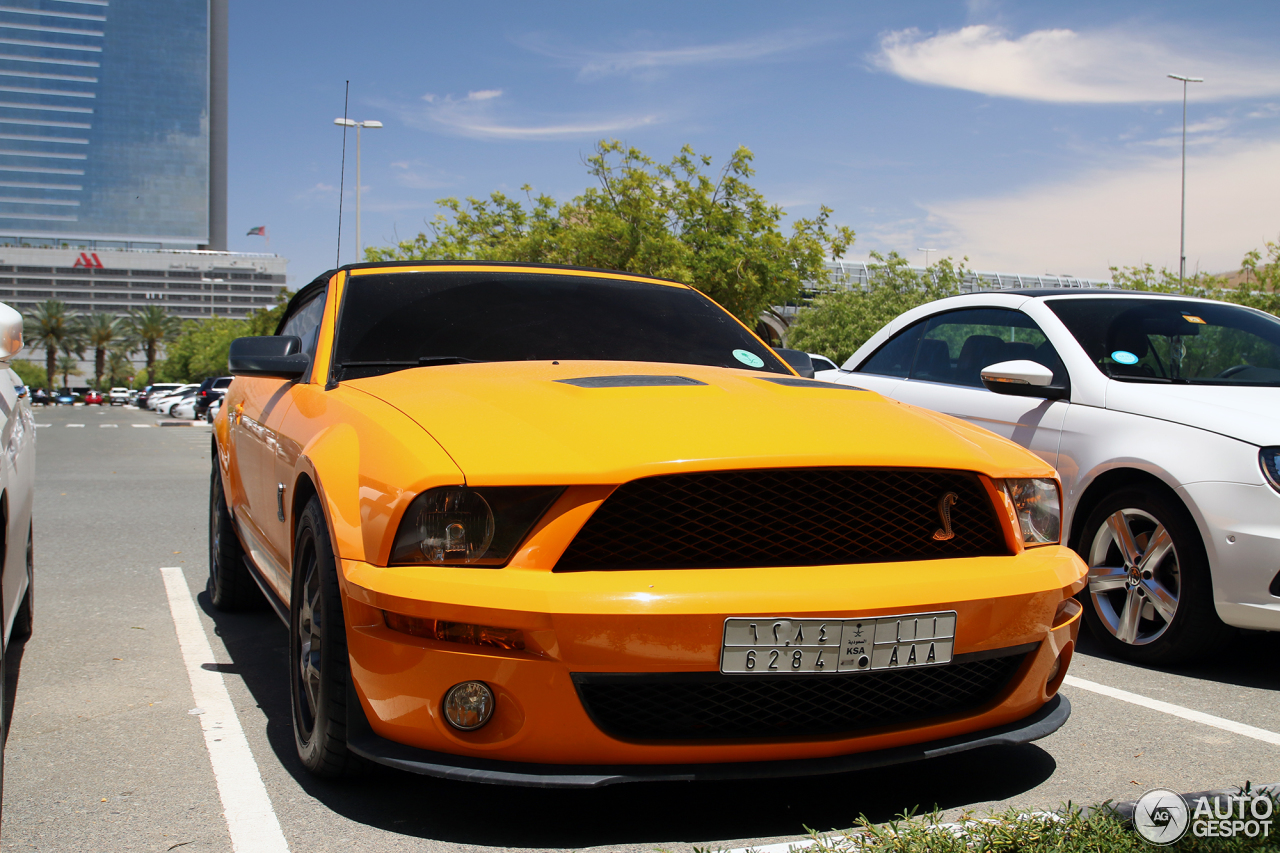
779 645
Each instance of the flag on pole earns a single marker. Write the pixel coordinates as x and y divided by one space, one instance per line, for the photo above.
260 231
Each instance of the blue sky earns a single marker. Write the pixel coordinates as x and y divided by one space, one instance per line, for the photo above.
1030 137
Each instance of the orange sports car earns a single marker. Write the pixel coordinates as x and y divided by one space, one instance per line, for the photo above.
564 527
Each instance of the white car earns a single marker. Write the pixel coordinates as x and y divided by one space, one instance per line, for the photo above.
1161 413
212 412
821 362
185 407
17 484
162 405
118 396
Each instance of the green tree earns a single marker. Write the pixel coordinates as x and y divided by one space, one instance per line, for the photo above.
836 323
200 349
147 329
1259 289
47 326
30 373
119 369
68 365
99 332
677 220
265 321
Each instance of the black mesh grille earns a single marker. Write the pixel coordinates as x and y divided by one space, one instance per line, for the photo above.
785 517
666 707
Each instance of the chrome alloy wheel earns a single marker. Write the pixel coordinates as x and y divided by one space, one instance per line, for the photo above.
1134 576
310 641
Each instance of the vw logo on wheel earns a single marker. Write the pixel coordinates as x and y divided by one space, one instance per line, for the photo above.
1161 816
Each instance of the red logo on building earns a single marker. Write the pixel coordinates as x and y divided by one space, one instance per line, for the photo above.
88 259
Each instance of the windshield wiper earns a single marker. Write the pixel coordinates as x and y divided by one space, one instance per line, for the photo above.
421 361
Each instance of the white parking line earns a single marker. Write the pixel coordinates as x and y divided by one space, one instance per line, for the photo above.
107 426
250 817
1175 710
75 426
142 426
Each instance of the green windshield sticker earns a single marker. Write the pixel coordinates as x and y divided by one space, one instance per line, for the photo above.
1124 357
750 359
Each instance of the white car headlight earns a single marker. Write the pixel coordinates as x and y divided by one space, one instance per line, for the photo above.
1269 457
1037 505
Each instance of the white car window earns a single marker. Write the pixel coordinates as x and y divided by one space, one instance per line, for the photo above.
957 345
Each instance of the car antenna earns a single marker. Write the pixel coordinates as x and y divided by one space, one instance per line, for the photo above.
342 174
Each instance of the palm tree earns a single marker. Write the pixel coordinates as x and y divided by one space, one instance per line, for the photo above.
99 331
148 328
68 366
47 326
119 368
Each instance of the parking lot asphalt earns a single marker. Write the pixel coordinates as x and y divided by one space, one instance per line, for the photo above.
104 754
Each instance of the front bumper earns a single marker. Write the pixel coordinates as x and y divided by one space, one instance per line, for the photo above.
362 740
1241 524
669 623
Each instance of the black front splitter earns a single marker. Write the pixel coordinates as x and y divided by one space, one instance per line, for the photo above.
362 740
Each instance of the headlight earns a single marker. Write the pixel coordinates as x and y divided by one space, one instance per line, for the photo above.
1271 465
458 526
1038 508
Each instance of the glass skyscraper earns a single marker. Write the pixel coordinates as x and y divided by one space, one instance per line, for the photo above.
112 123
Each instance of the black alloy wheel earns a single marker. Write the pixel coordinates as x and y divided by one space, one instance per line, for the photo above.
230 585
1150 594
317 649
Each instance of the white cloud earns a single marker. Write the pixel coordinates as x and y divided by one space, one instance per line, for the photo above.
1123 216
477 115
417 175
600 63
1106 66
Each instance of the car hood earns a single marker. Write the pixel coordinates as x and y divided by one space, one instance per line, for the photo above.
1244 413
520 423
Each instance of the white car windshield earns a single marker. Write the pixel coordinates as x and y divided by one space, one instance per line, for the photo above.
1175 340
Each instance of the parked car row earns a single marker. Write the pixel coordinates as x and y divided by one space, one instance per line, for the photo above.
190 401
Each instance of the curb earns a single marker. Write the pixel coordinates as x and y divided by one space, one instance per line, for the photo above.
1123 810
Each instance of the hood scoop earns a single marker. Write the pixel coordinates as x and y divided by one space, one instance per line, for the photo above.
635 381
792 382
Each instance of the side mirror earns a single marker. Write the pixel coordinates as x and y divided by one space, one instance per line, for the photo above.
280 356
10 332
799 361
1023 379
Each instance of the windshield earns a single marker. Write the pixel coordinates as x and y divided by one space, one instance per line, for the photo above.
1175 340
401 320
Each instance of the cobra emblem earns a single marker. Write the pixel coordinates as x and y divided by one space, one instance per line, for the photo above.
944 512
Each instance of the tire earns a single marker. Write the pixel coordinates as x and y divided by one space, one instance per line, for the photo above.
24 620
318 663
230 586
1150 601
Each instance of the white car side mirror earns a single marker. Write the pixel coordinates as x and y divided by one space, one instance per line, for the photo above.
1018 373
10 333
1022 379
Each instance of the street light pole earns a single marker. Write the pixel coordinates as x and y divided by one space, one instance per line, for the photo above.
926 255
1182 246
358 125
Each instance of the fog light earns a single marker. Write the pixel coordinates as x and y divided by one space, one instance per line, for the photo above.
1054 670
469 705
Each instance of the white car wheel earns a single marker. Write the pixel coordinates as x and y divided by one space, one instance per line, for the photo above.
1150 594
